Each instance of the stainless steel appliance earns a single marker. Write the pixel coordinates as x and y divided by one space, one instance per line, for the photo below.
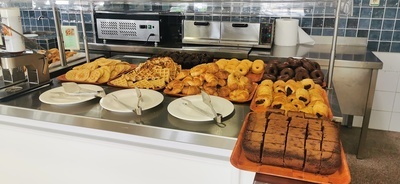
130 27
258 35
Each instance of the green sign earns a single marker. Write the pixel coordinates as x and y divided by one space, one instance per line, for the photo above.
71 37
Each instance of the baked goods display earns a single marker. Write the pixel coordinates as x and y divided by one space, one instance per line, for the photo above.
252 69
302 96
186 60
98 71
155 73
214 81
295 142
53 55
292 68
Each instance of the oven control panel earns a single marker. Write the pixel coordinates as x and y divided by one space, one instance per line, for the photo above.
132 30
266 35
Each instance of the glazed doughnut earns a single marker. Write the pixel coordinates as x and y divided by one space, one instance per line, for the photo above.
284 77
283 65
303 74
317 74
267 76
287 71
271 69
307 65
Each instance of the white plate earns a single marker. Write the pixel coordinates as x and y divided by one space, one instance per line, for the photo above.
151 99
50 97
177 109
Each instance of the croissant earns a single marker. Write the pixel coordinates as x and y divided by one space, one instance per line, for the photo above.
223 91
177 87
244 83
212 68
222 74
182 74
211 90
188 79
232 82
198 70
211 80
190 90
239 95
196 81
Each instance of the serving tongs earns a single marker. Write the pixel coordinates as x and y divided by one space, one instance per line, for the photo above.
139 99
217 116
73 89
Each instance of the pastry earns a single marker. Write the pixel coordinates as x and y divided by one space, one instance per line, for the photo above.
258 66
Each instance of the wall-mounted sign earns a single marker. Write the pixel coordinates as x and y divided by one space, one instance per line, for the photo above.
71 37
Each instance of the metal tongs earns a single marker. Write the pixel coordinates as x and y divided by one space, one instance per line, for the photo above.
72 88
217 116
139 99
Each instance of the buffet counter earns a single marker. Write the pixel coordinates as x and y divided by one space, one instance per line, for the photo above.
354 75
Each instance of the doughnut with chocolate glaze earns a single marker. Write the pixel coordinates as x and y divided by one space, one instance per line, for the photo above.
307 65
287 71
302 74
284 77
271 69
269 76
283 65
294 63
300 69
317 74
316 65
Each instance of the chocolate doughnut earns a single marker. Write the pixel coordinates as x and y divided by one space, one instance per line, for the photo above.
283 65
300 69
271 69
284 77
318 81
269 76
294 63
316 65
303 74
317 74
274 61
287 71
307 65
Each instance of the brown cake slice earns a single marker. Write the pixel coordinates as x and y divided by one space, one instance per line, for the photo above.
315 124
257 116
331 134
278 116
277 111
298 122
273 138
314 134
294 158
330 146
310 116
330 162
295 114
312 144
260 126
312 162
295 142
277 130
253 136
256 122
272 154
326 123
252 150
275 122
297 132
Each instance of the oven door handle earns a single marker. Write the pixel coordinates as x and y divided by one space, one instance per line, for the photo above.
240 25
201 23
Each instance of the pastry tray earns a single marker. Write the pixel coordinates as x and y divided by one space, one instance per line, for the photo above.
254 108
239 160
254 88
64 79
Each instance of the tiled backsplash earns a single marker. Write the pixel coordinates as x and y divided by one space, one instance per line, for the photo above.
380 24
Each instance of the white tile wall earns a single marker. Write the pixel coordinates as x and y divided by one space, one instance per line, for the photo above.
396 105
394 122
387 80
385 113
383 101
380 120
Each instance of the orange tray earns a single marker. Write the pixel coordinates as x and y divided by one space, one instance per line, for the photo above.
255 77
253 91
254 107
64 79
239 160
